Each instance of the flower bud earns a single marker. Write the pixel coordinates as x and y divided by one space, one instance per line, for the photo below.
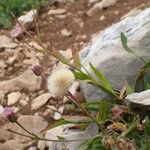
107 142
122 144
37 69
9 114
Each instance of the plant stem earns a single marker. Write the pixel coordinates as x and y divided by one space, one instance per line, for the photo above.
26 130
44 139
75 101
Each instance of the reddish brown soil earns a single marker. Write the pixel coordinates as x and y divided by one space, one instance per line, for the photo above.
50 30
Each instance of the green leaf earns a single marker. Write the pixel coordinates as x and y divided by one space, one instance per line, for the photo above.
102 113
56 124
125 42
81 75
94 144
147 125
147 65
129 90
60 138
146 81
104 82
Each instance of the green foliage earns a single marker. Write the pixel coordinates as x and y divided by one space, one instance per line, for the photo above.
142 81
125 43
92 144
17 7
102 112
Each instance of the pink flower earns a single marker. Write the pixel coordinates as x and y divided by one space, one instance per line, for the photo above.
16 31
9 114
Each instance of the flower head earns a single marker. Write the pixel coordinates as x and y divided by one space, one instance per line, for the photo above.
60 81
9 114
37 69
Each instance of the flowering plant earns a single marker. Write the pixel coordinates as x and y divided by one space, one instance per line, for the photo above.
119 126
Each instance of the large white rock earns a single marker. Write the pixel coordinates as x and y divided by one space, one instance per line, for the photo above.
107 54
139 100
64 131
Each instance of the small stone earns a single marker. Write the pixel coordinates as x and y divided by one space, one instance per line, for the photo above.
27 81
41 145
2 64
116 12
56 11
1 109
13 98
40 101
23 102
58 115
6 42
102 18
48 113
65 32
79 22
28 18
100 5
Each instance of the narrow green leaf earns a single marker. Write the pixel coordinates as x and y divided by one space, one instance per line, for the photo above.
91 144
102 113
124 43
104 82
81 75
146 81
147 125
56 124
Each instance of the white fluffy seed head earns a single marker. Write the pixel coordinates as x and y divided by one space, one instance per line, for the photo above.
60 81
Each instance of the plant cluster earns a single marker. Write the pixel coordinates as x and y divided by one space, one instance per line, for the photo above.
120 128
17 7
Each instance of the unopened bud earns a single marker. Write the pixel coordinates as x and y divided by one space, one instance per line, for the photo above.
37 69
122 144
9 114
107 142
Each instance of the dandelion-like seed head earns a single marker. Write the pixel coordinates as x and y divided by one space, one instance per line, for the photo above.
60 81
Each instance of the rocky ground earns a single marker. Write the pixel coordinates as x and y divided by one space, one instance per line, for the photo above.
61 24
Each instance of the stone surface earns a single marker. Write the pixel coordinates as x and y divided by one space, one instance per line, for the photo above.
139 100
65 32
107 54
16 145
13 98
101 5
27 81
68 135
56 11
77 92
131 13
41 100
27 18
6 42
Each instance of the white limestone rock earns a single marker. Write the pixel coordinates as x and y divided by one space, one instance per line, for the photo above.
107 54
139 100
